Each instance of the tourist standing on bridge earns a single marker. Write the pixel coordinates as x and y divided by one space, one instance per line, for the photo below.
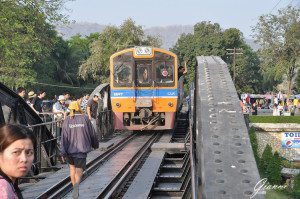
77 139
58 108
92 110
21 92
17 144
38 101
84 102
31 95
67 98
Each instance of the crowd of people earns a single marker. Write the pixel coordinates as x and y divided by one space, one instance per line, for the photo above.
60 104
77 137
280 103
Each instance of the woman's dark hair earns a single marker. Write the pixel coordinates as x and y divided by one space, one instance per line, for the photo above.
10 133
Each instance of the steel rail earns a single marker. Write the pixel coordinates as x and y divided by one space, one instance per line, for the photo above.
65 186
115 184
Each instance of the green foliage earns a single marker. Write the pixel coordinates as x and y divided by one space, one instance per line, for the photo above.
274 119
274 169
26 38
254 144
297 81
266 158
278 194
296 188
270 166
279 37
111 40
209 39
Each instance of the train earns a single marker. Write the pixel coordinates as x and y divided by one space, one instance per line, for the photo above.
146 89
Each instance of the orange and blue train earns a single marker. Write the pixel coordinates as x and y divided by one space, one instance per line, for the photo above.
146 91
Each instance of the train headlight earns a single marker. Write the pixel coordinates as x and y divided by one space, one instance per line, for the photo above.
170 104
118 104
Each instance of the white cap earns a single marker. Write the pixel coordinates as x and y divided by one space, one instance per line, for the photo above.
61 97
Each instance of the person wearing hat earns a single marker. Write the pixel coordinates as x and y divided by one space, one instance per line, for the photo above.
58 108
60 113
77 139
30 95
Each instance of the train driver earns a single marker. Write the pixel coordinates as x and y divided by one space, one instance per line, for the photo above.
144 78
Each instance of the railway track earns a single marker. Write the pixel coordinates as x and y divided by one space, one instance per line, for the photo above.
174 176
116 172
98 165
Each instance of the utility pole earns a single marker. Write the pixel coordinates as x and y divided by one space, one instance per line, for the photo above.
234 52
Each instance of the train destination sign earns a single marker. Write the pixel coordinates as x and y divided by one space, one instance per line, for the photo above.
143 50
290 140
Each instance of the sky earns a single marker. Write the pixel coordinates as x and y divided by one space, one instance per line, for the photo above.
241 14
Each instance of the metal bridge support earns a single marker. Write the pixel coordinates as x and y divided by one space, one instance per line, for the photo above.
14 110
105 116
226 165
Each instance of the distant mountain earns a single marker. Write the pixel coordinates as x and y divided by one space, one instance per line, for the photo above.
84 29
168 34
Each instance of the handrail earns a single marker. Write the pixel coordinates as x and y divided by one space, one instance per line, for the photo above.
50 158
194 178
45 123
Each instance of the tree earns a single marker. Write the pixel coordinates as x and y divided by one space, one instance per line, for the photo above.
209 39
270 166
26 38
266 158
279 37
274 169
111 40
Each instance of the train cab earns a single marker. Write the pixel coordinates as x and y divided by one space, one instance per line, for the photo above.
144 88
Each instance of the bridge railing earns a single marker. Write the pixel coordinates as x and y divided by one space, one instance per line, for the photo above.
47 151
192 132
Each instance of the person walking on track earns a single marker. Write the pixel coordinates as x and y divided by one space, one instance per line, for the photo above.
78 138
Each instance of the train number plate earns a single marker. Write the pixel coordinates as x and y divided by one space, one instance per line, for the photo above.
142 102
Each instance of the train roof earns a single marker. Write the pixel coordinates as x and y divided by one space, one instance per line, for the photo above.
134 49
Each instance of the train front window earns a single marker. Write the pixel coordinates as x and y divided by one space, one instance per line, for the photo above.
164 72
164 69
143 72
123 72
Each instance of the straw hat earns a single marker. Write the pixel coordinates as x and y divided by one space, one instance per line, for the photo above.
31 94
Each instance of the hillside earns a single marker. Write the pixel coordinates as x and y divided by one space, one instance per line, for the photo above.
168 34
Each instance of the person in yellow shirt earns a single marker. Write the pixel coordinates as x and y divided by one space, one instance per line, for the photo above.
296 102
